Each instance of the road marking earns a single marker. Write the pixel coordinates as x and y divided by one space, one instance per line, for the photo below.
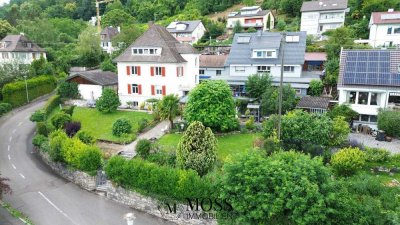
10 138
20 123
23 177
54 206
9 157
8 147
13 166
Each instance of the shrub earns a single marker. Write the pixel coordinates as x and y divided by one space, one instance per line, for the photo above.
68 90
108 101
15 93
143 148
5 108
52 103
90 159
142 124
38 140
348 161
60 119
343 110
57 139
316 88
41 128
376 155
72 128
163 158
389 122
250 123
85 137
69 110
38 116
121 126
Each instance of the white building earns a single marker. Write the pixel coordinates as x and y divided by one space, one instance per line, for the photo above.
187 31
212 66
156 64
384 29
369 80
320 16
252 16
18 49
106 36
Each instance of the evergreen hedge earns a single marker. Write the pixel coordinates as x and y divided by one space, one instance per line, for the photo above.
52 103
15 94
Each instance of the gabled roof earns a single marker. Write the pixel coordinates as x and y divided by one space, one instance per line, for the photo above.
109 33
385 17
190 26
213 61
103 78
19 43
372 68
312 102
323 5
158 37
241 53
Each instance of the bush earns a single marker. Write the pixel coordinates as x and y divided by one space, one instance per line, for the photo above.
121 126
343 110
38 116
143 148
163 158
15 93
250 123
108 101
41 128
85 137
68 90
376 155
52 103
38 140
72 128
316 88
142 124
57 139
389 122
60 119
69 110
90 159
348 161
5 108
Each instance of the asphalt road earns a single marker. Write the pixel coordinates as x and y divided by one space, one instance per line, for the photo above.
44 197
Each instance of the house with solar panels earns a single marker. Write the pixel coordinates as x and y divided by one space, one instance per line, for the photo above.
258 53
384 29
368 81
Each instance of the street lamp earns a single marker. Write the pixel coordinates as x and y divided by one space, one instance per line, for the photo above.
26 88
130 218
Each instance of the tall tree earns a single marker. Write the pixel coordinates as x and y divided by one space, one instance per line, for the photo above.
88 47
5 28
168 108
257 85
270 100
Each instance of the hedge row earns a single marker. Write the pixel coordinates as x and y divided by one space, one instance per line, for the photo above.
52 103
389 122
155 180
15 93
4 108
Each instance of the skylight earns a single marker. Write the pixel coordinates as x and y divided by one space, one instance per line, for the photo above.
243 39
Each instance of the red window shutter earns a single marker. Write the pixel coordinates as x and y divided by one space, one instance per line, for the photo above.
164 92
140 89
138 71
177 71
129 89
128 70
152 71
163 71
153 92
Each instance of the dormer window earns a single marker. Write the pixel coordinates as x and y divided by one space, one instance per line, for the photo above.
146 51
264 54
29 45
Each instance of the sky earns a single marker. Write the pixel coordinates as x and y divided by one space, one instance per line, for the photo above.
3 1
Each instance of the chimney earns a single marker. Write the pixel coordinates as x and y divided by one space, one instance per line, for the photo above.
390 10
150 23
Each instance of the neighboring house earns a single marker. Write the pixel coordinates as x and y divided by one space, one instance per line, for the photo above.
18 49
259 52
314 61
92 83
106 36
369 80
314 104
212 66
320 16
156 64
384 29
252 16
187 31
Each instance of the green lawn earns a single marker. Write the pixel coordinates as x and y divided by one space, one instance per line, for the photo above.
100 125
227 144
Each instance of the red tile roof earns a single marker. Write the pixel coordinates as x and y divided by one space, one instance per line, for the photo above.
377 17
315 56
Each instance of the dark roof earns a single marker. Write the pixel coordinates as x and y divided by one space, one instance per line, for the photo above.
190 26
323 5
385 17
157 36
109 33
312 102
103 78
19 43
241 53
213 61
371 68
259 13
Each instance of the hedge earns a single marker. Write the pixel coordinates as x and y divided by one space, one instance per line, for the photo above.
52 103
15 93
4 108
160 181
389 122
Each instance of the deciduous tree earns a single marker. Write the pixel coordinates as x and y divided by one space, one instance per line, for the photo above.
108 101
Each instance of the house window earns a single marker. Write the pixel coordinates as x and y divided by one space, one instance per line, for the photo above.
263 69
321 28
135 104
373 119
179 71
263 54
140 51
363 98
374 99
4 55
158 71
351 97
218 72
364 118
201 72
239 69
288 69
394 98
298 91
135 70
396 30
158 90
135 88
389 30
135 51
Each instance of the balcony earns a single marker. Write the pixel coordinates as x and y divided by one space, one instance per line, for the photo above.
259 24
331 20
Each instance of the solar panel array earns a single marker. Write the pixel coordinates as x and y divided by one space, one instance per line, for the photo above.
369 68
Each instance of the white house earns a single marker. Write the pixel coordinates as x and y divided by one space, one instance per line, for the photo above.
384 29
156 64
252 16
320 16
212 66
368 81
187 31
18 49
106 37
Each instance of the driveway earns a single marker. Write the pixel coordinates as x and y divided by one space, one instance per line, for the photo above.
369 141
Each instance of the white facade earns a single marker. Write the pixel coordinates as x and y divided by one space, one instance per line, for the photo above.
209 72
108 47
273 70
317 22
190 37
20 57
251 18
384 35
90 91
